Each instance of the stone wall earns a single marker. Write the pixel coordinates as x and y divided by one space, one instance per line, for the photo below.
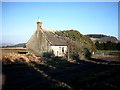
38 44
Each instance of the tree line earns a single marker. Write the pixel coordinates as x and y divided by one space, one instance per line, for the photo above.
108 45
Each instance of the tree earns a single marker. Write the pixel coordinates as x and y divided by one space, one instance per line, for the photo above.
108 45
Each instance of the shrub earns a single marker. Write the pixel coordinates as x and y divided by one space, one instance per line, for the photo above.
75 56
47 54
87 53
80 46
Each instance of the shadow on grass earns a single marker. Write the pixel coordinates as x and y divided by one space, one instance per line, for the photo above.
98 60
57 73
104 61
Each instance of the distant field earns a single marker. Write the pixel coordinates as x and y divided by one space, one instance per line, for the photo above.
108 52
13 50
98 52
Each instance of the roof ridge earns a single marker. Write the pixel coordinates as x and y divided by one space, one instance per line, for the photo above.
50 30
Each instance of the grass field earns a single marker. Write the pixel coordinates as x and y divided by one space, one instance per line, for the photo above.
99 72
13 50
108 52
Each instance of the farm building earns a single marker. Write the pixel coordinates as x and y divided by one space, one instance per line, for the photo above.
70 43
46 41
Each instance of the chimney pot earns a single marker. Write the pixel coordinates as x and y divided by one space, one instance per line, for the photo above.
39 23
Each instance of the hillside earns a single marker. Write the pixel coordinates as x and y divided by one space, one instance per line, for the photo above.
102 38
12 46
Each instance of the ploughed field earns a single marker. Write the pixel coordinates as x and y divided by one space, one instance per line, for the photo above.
24 71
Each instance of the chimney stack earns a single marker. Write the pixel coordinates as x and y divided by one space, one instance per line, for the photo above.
39 24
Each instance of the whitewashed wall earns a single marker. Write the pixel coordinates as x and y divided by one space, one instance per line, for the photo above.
59 50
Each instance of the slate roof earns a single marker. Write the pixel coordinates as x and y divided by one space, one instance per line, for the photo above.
53 38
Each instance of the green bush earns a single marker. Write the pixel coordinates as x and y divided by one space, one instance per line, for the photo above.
108 45
87 54
77 43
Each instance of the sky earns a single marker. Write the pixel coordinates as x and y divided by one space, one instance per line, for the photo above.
60 0
19 18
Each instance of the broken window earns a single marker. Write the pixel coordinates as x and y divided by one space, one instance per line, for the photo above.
62 49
